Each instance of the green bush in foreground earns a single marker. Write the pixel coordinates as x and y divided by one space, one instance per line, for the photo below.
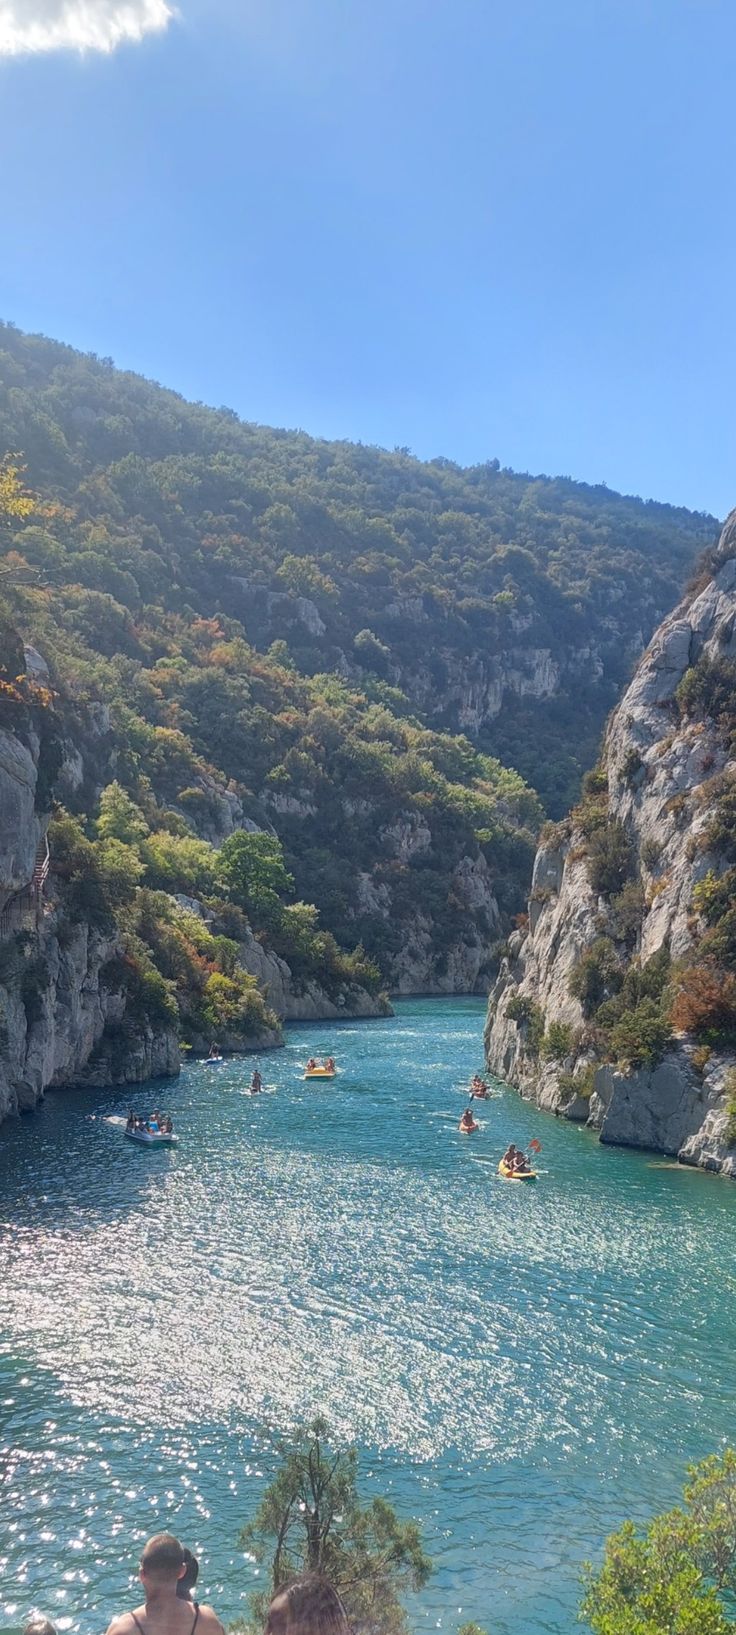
678 1575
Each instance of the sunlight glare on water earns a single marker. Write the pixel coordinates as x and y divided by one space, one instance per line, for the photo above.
521 1366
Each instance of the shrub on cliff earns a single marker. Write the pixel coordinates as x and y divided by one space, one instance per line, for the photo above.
705 1003
708 689
596 976
627 913
640 1036
609 859
557 1042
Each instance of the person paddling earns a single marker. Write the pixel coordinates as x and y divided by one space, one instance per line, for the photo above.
163 1612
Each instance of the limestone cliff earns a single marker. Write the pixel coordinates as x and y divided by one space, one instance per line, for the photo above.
65 1016
420 964
616 1004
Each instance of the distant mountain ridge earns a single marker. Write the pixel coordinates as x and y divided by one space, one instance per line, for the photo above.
508 607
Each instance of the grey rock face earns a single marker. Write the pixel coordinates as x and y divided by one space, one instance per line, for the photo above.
71 1027
658 767
20 827
307 1001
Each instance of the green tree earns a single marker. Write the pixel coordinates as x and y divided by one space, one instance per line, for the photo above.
179 863
120 818
311 1518
252 869
675 1577
120 870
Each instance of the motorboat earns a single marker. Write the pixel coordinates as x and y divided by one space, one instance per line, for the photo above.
152 1138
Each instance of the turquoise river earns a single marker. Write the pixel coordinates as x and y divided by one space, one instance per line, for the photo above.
521 1366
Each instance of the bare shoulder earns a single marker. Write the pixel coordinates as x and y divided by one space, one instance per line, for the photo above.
123 1625
208 1621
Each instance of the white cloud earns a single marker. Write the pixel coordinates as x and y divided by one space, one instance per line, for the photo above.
78 25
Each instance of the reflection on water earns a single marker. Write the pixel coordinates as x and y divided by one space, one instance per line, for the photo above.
522 1366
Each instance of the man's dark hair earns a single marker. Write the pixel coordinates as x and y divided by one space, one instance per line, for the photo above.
38 1625
163 1556
189 1576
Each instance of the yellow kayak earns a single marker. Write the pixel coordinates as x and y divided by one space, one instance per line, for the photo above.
320 1072
516 1175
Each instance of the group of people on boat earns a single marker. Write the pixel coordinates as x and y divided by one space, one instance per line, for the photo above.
516 1161
478 1088
327 1066
155 1124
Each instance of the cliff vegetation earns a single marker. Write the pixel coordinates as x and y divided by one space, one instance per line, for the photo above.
618 1002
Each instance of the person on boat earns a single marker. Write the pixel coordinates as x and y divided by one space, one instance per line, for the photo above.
307 1606
521 1163
330 1064
256 1082
509 1157
311 1064
164 1612
168 1125
130 1125
467 1122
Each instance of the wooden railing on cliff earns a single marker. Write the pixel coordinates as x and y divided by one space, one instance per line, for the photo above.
24 911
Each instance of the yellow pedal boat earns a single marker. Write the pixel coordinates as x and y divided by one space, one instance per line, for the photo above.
516 1175
320 1072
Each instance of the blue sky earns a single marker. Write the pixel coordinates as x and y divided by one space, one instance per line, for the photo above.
479 229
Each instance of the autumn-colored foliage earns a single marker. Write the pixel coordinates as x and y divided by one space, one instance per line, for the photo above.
705 1002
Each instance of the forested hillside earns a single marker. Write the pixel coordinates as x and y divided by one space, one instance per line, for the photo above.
507 607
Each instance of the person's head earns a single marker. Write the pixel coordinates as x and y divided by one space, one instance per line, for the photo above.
162 1563
308 1606
38 1625
189 1577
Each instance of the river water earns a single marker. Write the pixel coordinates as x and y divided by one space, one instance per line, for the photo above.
521 1366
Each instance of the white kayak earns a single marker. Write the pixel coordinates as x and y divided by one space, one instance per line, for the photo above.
151 1138
213 1061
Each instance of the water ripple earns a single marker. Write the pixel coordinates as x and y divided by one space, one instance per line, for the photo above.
521 1367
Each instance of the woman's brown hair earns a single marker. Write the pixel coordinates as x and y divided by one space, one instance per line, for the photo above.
308 1606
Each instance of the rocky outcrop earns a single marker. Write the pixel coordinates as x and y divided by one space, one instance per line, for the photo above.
20 825
663 771
424 963
64 1016
291 999
65 1020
